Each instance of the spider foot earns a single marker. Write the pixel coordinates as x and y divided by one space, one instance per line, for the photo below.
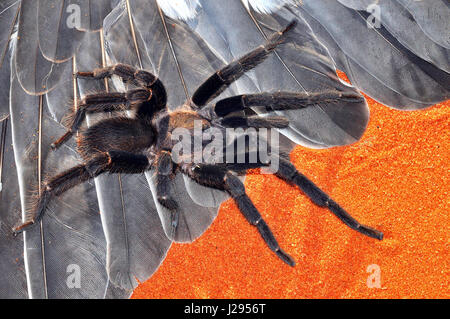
55 145
84 74
23 227
168 202
285 257
371 232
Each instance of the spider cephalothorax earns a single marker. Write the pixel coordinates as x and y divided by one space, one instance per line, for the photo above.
132 145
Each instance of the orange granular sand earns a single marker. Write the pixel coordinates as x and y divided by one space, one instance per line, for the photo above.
394 179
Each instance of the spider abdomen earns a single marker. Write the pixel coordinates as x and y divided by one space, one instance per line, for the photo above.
119 133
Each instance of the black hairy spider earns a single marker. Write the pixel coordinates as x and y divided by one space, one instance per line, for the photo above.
135 145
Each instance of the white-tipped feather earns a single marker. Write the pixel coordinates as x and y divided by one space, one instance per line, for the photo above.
268 6
179 9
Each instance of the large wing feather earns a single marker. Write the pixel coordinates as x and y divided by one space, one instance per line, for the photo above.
71 19
55 15
9 11
402 26
383 56
13 279
358 76
35 74
432 17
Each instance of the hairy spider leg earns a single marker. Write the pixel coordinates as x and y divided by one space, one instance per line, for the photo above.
279 101
289 173
220 80
126 72
103 102
164 167
221 178
112 162
164 170
138 77
255 121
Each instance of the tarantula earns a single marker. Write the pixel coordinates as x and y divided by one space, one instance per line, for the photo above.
133 145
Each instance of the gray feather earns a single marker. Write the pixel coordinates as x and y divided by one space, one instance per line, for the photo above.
358 76
357 4
56 15
433 18
9 10
401 24
72 19
12 280
382 56
35 74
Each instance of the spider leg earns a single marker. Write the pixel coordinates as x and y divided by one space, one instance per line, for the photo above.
164 169
220 80
102 102
126 72
140 78
221 178
112 161
289 173
279 101
255 121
